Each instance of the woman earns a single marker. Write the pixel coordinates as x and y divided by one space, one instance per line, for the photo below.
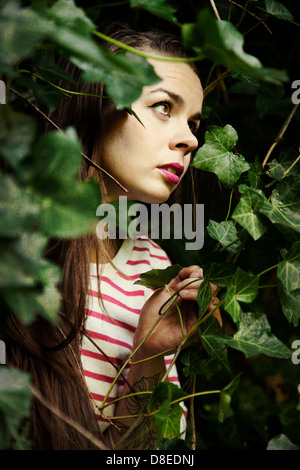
73 364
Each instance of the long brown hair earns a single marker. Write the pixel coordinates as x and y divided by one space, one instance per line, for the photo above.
51 352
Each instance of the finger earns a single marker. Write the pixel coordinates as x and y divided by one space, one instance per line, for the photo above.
186 272
216 313
185 276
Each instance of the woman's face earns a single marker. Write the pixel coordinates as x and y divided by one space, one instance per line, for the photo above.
149 160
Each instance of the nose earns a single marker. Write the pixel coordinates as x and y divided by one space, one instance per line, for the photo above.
183 139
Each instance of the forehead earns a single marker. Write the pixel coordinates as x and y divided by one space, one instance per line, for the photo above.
179 78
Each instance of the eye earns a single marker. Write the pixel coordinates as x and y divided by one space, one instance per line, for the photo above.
194 126
163 108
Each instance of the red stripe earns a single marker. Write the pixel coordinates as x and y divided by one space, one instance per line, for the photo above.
100 357
139 248
93 375
114 301
109 339
142 261
115 286
132 277
112 321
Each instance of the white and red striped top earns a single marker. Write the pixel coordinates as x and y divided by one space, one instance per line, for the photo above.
112 327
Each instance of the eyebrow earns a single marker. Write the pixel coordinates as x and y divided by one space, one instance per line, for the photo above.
178 100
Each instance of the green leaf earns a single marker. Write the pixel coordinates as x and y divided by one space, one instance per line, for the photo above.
44 301
220 274
214 341
288 272
277 9
247 210
203 296
225 232
157 7
242 288
220 42
67 14
124 75
282 442
284 208
157 278
15 404
17 133
20 32
192 359
68 207
216 155
168 416
19 209
278 166
254 336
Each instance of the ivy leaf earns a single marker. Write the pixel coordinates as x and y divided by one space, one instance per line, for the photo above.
157 7
17 134
247 210
220 274
18 212
254 336
67 14
68 207
157 278
203 296
222 43
277 9
288 272
168 416
284 208
278 167
282 442
20 32
242 288
44 301
214 341
124 76
216 155
15 404
225 232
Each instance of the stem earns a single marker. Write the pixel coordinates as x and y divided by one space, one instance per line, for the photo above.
144 54
214 8
192 415
280 134
230 204
268 269
179 312
63 90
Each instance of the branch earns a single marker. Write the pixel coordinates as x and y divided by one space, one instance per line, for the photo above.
280 134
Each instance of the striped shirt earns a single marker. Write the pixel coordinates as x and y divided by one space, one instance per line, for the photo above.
111 323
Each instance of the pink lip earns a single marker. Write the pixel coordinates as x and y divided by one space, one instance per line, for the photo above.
172 177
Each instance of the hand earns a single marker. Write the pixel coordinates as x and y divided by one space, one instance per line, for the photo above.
168 333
